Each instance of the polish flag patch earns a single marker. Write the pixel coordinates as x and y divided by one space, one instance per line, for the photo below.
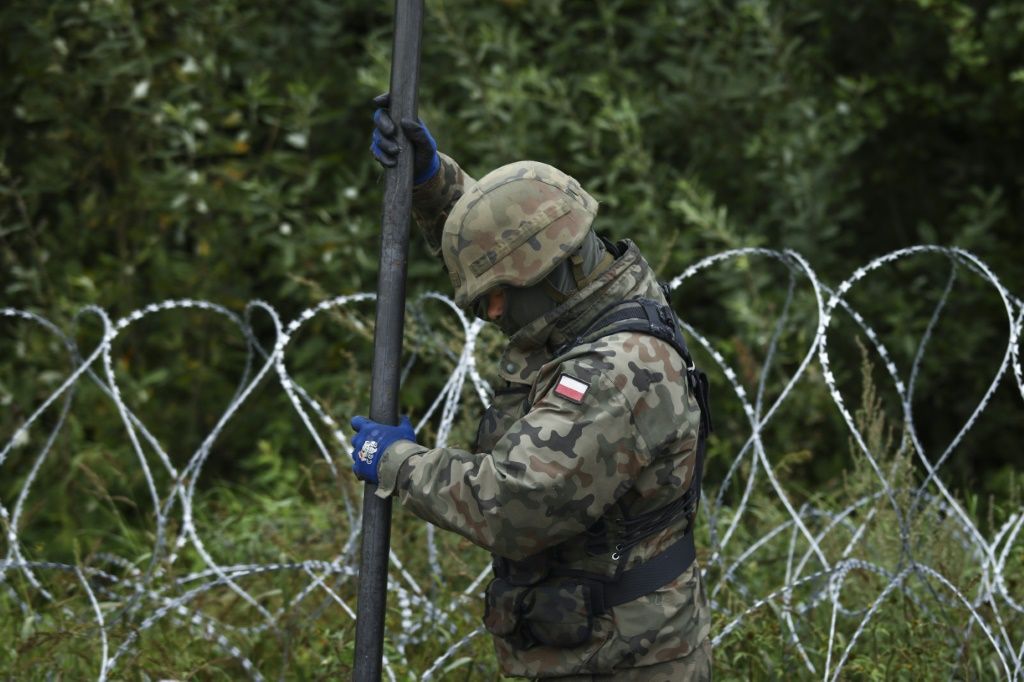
571 388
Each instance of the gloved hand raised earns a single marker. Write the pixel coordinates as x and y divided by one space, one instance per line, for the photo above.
385 145
371 440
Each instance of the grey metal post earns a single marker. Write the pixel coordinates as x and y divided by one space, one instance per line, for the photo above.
387 341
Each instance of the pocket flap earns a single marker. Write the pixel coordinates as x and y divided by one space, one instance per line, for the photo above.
502 607
559 614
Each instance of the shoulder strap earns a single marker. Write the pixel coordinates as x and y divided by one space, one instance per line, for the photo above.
643 315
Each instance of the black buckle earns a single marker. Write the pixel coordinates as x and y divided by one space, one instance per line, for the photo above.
666 314
655 314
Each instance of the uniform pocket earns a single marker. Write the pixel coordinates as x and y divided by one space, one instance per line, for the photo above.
559 614
502 607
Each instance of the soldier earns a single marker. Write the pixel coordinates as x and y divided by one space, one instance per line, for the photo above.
584 478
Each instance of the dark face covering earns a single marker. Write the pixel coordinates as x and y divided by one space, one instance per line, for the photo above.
523 305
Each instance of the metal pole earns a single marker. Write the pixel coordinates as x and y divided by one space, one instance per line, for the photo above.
387 340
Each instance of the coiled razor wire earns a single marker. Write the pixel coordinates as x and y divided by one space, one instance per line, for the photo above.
816 574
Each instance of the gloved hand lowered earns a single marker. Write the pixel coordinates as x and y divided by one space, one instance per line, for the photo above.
371 440
385 145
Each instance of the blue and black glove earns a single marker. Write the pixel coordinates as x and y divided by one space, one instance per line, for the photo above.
385 147
371 440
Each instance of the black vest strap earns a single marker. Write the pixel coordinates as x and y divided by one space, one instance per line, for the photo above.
665 567
648 316
644 316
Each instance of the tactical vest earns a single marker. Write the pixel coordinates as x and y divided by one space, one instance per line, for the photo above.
535 602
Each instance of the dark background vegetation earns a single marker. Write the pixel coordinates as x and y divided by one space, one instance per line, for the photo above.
218 150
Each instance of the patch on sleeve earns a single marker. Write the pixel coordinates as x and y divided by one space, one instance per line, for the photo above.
571 388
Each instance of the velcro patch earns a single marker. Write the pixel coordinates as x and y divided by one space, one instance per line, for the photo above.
571 388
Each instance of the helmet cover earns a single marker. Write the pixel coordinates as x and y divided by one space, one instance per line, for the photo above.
513 227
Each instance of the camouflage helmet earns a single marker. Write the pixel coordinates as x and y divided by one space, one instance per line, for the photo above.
513 227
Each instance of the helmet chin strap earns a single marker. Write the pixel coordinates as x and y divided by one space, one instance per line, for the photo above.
523 305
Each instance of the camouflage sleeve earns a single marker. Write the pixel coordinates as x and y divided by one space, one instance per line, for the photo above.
432 200
550 476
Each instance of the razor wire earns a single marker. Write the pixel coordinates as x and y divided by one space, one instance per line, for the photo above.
157 591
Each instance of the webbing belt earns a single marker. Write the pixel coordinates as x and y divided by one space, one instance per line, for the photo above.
649 576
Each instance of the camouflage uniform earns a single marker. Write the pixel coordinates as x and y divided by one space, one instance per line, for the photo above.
546 468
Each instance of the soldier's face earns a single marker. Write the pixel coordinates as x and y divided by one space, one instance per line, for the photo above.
492 305
496 303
